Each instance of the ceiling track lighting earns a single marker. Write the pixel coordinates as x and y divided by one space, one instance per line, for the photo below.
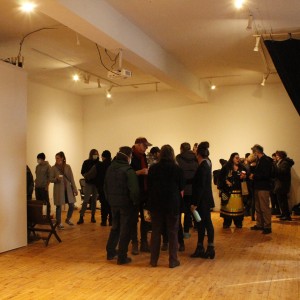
265 77
86 78
108 93
238 4
99 83
250 22
257 41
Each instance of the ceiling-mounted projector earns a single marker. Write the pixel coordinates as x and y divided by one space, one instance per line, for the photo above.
119 74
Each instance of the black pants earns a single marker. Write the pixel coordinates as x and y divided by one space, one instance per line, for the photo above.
105 210
120 231
205 224
165 232
41 194
144 226
238 220
158 219
284 204
187 221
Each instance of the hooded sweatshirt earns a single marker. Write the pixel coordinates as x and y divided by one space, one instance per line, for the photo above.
42 172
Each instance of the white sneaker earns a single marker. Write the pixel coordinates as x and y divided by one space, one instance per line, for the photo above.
61 227
69 222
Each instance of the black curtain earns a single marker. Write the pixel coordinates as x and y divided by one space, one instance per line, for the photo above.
286 58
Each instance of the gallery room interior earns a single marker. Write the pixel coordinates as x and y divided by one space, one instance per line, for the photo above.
177 72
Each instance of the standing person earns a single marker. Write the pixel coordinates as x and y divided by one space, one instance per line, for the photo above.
203 202
42 172
187 161
230 178
30 183
101 171
274 200
283 183
90 188
140 165
262 186
122 193
166 184
64 189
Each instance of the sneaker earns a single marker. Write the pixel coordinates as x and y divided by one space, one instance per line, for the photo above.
186 235
69 222
60 227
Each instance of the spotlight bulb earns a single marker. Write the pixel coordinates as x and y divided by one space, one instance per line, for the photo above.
108 95
75 77
28 7
238 4
212 87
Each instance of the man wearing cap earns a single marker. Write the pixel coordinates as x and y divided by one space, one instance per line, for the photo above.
262 185
140 165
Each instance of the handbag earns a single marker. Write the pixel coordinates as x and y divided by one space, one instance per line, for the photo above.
91 174
244 187
225 195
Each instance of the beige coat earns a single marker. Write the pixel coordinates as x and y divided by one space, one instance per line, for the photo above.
59 189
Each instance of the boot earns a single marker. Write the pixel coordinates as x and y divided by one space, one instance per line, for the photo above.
199 252
210 252
93 220
135 248
144 247
81 221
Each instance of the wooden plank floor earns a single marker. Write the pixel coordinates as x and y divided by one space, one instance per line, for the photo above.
248 265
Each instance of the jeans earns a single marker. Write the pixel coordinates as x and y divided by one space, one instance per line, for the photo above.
69 213
90 192
120 231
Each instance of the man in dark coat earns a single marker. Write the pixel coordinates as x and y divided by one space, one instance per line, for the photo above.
262 186
122 193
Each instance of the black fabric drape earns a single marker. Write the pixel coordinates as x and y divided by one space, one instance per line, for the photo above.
286 58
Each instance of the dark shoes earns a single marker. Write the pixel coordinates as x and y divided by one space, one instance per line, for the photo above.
93 220
181 248
255 227
135 249
210 252
153 264
111 256
164 247
226 226
81 221
279 216
267 231
239 226
199 252
286 218
174 264
144 247
124 261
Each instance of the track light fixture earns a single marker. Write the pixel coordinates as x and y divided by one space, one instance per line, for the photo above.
108 92
238 4
75 77
250 22
86 78
99 83
257 41
265 77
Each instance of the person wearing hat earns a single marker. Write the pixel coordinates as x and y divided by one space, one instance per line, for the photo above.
140 165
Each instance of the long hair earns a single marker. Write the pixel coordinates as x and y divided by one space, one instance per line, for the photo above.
62 155
230 161
202 149
167 153
92 152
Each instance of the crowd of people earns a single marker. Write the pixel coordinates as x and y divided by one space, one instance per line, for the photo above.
134 185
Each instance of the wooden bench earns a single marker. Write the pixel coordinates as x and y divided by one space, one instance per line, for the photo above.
36 219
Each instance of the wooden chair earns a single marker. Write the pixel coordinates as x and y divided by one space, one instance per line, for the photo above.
35 219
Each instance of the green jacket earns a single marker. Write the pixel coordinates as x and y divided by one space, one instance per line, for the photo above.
121 184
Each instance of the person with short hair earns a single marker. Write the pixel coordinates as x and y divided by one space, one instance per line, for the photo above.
64 188
283 183
262 185
90 188
122 193
140 165
42 180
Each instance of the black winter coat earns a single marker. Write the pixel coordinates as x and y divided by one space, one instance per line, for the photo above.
165 183
283 176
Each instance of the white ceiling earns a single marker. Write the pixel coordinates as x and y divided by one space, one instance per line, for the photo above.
198 40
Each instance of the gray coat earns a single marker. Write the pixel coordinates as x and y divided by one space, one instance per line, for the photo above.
58 188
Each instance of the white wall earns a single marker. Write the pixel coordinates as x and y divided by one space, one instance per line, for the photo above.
234 120
13 220
55 123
